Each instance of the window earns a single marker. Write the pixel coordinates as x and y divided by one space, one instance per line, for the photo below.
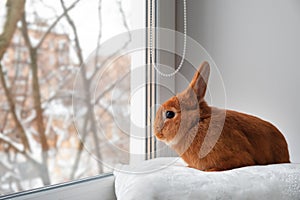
71 119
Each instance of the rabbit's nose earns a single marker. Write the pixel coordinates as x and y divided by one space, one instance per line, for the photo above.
158 127
159 135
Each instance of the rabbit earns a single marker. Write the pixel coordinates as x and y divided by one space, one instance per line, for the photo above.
213 139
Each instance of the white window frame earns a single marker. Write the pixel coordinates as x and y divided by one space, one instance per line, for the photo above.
163 15
92 188
138 98
166 18
102 186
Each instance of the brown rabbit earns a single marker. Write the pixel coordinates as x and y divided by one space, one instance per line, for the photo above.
212 139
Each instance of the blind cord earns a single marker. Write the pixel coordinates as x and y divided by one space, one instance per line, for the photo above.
184 43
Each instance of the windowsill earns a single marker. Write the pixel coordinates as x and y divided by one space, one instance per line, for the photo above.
89 189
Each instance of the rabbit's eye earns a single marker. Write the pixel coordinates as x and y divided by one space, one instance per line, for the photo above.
170 114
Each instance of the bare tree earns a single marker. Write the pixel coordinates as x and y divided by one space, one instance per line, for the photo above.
14 14
30 137
88 79
15 9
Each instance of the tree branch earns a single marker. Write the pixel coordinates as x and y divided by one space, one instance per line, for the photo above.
14 8
77 43
13 111
125 24
24 30
35 86
99 33
16 146
36 93
87 87
55 22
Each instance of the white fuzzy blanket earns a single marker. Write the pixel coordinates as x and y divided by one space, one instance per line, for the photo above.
176 181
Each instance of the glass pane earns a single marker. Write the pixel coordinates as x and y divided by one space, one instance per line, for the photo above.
61 90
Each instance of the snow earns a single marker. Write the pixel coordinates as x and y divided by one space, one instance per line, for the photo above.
34 41
57 109
30 118
173 180
8 140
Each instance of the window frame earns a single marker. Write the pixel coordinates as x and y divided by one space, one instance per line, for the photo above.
162 14
77 189
71 190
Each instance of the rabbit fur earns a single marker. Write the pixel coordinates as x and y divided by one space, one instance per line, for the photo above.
213 139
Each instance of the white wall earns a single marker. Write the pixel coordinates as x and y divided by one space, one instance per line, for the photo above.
256 45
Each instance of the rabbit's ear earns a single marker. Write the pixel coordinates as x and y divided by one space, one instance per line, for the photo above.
199 82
